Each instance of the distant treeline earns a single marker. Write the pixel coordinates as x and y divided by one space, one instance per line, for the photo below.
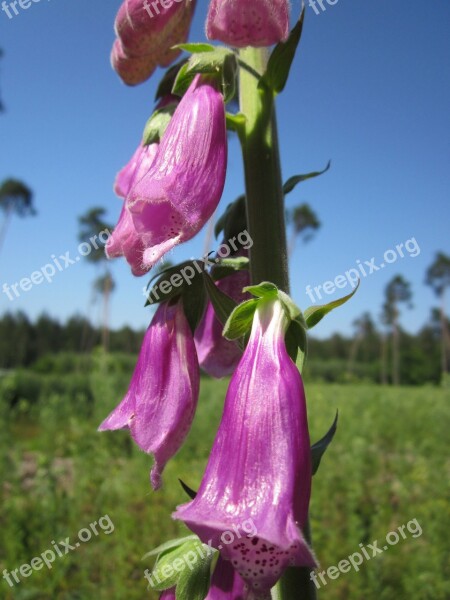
46 345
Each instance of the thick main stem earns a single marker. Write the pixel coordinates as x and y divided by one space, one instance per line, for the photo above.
264 191
267 227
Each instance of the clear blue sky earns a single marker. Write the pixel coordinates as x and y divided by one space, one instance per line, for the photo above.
369 89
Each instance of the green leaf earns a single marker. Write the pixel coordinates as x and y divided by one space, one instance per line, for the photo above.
210 62
194 301
240 320
170 545
196 48
183 81
157 124
292 182
280 61
265 290
319 448
314 314
194 584
171 282
293 311
222 303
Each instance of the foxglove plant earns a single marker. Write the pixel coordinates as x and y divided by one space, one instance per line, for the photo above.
244 322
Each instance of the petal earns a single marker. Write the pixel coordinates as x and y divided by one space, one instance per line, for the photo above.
242 23
260 466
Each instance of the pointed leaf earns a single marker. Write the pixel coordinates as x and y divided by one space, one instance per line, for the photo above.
319 448
196 48
167 82
164 575
228 266
188 490
314 314
222 303
240 320
292 182
194 301
280 61
157 124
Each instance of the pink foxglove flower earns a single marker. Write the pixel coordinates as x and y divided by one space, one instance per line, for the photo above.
218 356
146 35
260 464
242 23
124 240
162 398
183 187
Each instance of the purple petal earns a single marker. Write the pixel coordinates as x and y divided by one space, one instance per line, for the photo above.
260 465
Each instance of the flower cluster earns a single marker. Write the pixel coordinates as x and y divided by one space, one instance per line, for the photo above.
260 464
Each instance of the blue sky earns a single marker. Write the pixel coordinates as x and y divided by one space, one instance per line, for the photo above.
370 90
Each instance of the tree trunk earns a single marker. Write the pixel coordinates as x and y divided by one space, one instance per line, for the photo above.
106 297
395 350
444 336
384 380
5 224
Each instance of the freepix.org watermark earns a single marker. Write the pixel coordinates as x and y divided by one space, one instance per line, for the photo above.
57 265
11 10
188 273
61 548
155 7
202 551
364 269
369 551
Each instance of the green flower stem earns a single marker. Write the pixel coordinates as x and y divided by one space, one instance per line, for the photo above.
264 188
267 227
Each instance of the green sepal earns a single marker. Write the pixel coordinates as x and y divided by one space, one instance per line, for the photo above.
194 583
168 546
296 341
228 266
220 63
222 303
166 84
164 575
280 61
236 122
240 320
314 314
265 290
292 182
157 124
320 447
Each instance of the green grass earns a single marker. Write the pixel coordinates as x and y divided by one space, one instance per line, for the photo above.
387 466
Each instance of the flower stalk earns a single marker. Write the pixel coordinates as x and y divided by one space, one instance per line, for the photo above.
266 224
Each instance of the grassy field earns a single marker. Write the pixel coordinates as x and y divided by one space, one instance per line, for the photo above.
387 466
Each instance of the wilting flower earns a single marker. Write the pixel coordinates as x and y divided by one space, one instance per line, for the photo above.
260 464
146 35
242 23
226 584
160 403
218 356
183 187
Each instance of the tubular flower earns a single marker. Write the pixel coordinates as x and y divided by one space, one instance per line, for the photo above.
183 187
225 584
124 240
146 34
218 356
260 464
160 403
242 23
